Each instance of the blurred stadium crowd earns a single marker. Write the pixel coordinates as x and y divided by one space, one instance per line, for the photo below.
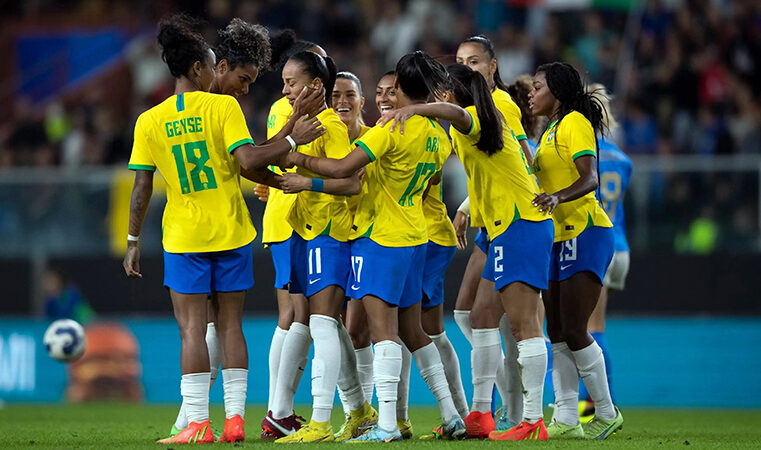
687 83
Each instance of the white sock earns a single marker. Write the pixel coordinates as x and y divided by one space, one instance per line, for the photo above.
428 361
292 362
514 392
365 370
452 371
276 349
235 383
215 352
532 360
591 365
403 392
181 422
565 381
462 319
484 359
353 397
325 365
387 365
195 396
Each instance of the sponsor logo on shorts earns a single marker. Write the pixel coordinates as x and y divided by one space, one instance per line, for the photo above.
311 282
565 267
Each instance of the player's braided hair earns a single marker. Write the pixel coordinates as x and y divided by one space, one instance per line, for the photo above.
181 45
244 43
488 48
470 88
419 75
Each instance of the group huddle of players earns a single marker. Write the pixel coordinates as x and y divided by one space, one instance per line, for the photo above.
361 240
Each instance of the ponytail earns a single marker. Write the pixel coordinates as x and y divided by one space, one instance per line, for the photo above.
319 67
470 88
419 75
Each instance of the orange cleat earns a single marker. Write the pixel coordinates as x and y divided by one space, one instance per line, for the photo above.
195 433
235 430
524 431
479 425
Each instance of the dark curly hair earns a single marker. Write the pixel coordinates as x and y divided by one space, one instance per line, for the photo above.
181 45
243 43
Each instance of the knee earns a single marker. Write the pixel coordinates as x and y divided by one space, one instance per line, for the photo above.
360 338
193 331
575 335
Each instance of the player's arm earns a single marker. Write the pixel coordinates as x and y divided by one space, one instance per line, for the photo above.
329 167
262 176
253 157
142 190
435 179
452 113
293 183
527 151
586 183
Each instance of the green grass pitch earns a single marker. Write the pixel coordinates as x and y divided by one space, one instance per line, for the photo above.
117 426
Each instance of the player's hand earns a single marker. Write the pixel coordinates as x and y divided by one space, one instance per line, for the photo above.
293 183
308 101
546 202
262 191
397 117
306 130
131 262
460 223
287 161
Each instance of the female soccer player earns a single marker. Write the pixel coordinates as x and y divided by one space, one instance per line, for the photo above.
389 234
520 250
200 144
583 249
289 348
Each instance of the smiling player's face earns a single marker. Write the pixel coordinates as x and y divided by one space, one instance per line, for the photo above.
385 94
347 100
236 81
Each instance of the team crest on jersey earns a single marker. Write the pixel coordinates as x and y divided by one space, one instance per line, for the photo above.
550 135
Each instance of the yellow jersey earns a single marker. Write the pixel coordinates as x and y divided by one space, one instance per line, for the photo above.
440 228
353 200
189 138
502 184
275 227
316 213
555 169
391 212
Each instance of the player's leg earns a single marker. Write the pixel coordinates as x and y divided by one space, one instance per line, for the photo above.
229 308
356 326
284 320
511 412
466 296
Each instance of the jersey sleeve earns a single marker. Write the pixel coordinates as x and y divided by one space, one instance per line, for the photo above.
141 158
280 113
336 141
577 136
235 131
513 120
377 141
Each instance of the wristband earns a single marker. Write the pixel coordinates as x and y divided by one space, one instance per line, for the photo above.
465 206
132 238
317 184
291 141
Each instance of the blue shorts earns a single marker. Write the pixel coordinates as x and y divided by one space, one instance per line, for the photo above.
393 274
437 259
521 253
317 264
482 240
281 259
591 251
207 272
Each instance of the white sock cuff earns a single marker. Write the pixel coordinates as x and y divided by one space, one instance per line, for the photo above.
437 337
210 326
280 332
587 356
484 337
532 347
559 347
364 355
462 312
195 377
231 375
319 319
427 355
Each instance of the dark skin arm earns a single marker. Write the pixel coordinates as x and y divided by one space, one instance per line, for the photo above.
329 167
586 183
526 152
141 198
294 183
262 176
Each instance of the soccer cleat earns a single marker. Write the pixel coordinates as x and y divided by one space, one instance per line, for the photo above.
377 434
479 425
405 427
175 431
235 430
195 433
524 431
436 433
276 428
455 430
586 410
311 432
559 430
503 423
357 422
599 428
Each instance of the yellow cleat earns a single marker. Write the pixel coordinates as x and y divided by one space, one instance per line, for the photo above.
357 423
311 432
405 427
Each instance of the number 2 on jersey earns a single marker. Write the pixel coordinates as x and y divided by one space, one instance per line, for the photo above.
424 170
199 160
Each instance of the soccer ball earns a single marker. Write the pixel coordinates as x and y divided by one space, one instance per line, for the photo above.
65 340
